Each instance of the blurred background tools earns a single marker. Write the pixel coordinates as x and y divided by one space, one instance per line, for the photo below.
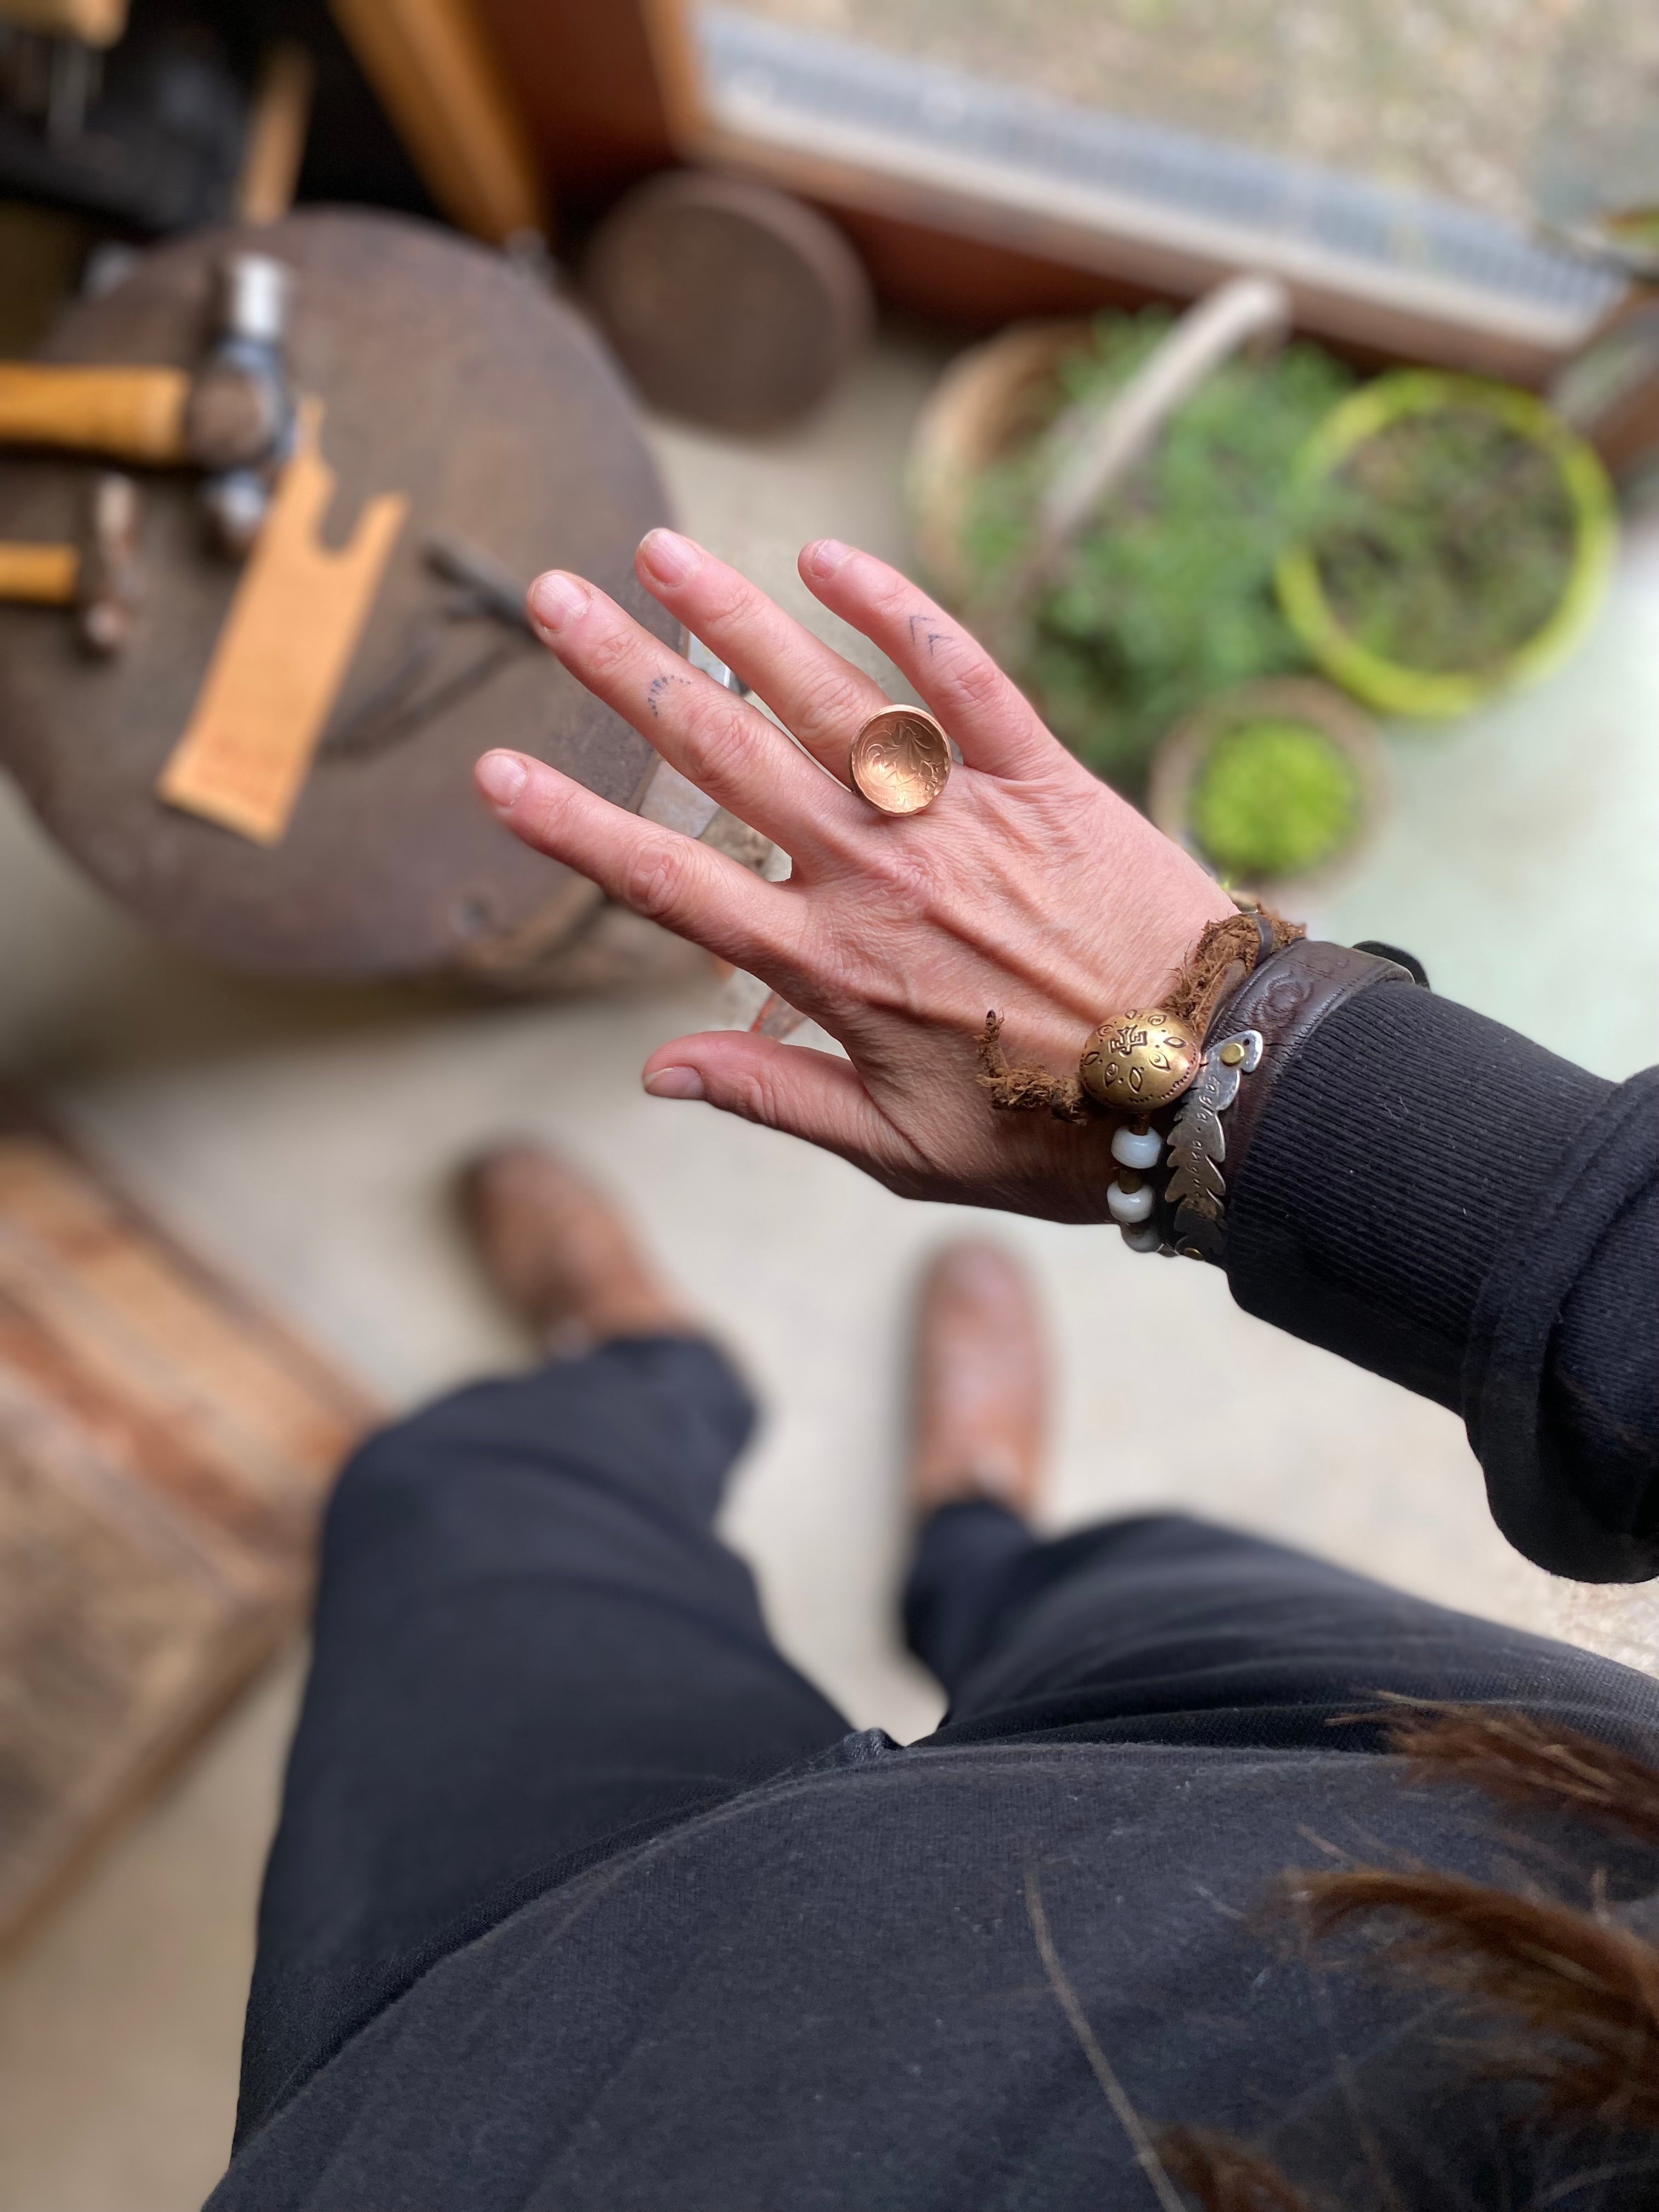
231 415
424 682
97 576
445 379
144 129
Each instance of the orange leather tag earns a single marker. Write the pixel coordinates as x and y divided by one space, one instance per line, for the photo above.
283 652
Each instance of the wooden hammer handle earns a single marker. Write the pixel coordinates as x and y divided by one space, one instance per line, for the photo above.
133 414
46 574
94 22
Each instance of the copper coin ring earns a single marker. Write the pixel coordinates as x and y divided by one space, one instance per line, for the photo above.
901 760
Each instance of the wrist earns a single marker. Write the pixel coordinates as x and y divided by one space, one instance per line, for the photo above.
1162 910
1183 1078
1288 998
1134 1071
1248 1026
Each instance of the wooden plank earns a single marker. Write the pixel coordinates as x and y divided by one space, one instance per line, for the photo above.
166 1447
440 77
608 91
671 44
276 143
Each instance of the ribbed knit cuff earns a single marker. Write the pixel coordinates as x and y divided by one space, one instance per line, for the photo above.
1407 1143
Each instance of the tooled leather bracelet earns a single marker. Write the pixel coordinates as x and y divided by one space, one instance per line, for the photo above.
1251 989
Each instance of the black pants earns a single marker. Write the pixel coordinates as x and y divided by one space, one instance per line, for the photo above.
532 1649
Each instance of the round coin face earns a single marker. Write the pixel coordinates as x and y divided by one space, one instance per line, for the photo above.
1140 1062
901 760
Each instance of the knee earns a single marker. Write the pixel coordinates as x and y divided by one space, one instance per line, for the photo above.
398 1478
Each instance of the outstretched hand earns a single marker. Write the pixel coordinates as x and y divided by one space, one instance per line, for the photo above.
1027 887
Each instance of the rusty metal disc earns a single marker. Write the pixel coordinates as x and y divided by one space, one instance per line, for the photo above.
445 375
727 302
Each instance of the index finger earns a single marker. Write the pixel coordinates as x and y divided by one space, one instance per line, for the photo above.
725 746
952 674
818 696
669 878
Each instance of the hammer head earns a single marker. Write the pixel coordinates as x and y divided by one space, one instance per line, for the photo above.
236 501
109 588
241 410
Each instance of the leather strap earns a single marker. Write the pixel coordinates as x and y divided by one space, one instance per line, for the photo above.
1285 998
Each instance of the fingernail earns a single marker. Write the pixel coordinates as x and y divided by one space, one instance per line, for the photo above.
500 778
676 1082
556 599
670 557
826 554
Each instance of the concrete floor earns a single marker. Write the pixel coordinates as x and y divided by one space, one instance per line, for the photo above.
305 1136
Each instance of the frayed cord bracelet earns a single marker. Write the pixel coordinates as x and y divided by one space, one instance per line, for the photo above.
1158 1065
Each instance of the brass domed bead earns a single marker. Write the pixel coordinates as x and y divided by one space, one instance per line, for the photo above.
1139 1061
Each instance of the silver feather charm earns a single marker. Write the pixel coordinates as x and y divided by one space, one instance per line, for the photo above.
1198 1144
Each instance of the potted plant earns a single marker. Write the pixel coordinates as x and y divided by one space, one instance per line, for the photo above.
1454 540
1161 591
1276 787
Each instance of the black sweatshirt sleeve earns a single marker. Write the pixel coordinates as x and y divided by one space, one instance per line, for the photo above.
1447 1204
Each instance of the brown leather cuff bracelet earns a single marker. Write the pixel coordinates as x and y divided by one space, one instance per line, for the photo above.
1251 1040
1215 1046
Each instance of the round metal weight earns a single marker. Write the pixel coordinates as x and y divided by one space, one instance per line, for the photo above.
900 761
1140 1062
445 375
728 303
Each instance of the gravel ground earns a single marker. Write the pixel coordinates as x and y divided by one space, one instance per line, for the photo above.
1522 108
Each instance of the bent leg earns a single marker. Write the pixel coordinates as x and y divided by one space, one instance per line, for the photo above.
529 1645
1168 1629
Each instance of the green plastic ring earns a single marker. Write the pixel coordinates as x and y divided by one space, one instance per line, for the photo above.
1388 685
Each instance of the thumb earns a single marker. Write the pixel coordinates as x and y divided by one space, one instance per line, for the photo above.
814 1095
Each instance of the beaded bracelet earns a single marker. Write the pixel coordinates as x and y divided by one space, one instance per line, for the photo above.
1197 1146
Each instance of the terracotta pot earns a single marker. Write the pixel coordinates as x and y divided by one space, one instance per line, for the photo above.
989 401
997 395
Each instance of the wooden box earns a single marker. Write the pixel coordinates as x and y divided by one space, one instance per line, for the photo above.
166 1448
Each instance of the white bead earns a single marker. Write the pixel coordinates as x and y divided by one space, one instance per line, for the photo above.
1128 1206
1131 1151
1143 1236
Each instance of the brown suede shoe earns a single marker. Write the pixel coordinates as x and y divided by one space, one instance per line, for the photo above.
560 1253
980 1382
